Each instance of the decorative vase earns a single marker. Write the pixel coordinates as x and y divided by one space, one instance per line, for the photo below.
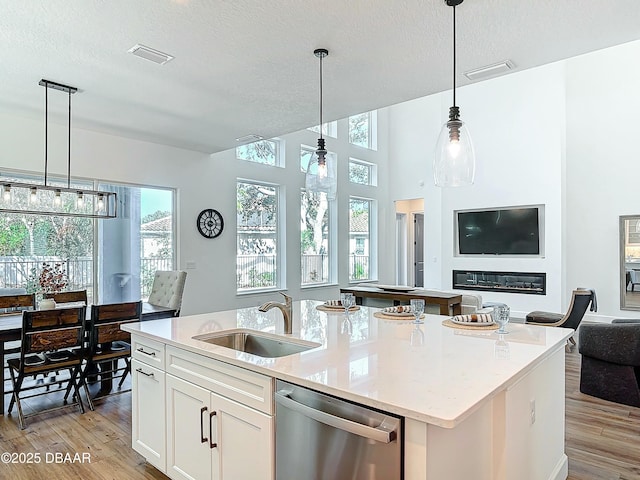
47 304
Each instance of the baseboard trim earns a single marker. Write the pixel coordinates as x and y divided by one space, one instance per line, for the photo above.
561 472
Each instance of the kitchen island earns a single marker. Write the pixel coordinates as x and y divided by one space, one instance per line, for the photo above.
475 404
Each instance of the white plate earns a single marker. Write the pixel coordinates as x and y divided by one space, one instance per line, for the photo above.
396 288
473 324
396 314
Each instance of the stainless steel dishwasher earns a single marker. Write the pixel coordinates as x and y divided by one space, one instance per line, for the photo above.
319 437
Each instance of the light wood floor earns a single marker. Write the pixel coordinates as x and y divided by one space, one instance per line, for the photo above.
602 439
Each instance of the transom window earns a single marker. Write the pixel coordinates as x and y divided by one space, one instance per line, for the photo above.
363 130
329 129
362 172
266 152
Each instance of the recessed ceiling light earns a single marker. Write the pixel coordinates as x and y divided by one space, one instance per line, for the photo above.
155 56
489 70
249 138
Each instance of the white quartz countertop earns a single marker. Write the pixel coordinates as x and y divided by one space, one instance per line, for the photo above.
441 381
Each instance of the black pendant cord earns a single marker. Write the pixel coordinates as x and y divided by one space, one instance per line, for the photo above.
321 56
69 149
46 131
454 55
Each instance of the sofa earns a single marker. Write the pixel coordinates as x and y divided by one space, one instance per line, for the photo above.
611 361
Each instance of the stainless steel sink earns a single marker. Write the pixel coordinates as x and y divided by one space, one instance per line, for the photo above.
257 343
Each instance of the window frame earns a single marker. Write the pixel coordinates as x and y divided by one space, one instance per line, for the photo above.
280 246
279 152
373 171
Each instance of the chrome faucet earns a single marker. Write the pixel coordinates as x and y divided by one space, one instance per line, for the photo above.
285 308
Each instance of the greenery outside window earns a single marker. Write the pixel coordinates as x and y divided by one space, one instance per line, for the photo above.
360 210
363 130
361 172
314 238
266 152
113 259
257 236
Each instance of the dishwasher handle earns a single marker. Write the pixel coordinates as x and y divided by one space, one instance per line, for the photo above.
377 434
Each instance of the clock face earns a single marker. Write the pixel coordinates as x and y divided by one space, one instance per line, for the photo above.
210 223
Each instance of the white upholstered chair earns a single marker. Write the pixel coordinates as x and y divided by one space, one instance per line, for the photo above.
167 289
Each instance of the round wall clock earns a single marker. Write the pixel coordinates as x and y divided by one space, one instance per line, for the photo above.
210 223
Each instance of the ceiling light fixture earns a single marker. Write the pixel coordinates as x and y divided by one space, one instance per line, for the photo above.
454 164
45 199
321 171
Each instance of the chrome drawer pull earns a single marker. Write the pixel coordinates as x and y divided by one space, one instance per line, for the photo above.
139 370
151 354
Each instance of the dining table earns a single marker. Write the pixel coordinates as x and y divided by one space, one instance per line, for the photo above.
11 330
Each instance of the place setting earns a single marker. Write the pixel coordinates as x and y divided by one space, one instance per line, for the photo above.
496 320
414 311
346 304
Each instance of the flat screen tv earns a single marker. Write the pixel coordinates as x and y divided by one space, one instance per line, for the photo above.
501 231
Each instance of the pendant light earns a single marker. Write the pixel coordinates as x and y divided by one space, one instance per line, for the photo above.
321 171
45 199
454 164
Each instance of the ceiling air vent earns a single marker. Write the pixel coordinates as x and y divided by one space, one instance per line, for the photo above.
252 137
489 71
151 54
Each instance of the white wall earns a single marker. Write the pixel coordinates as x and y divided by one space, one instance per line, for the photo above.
202 181
602 167
517 125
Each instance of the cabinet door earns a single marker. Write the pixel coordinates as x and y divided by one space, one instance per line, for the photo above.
188 450
244 438
148 428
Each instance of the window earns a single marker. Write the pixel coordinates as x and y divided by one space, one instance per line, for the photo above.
257 235
305 157
314 238
362 130
362 172
113 259
136 244
359 238
266 152
329 129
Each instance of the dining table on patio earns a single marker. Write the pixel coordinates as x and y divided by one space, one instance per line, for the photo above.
11 330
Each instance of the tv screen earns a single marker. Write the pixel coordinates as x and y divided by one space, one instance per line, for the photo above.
509 231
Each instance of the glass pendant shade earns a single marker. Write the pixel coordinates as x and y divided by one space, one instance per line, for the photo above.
321 174
454 164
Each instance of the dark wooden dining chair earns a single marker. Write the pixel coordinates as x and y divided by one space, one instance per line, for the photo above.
11 304
108 344
51 342
68 297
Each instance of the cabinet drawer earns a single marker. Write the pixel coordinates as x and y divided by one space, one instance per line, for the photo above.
148 351
244 386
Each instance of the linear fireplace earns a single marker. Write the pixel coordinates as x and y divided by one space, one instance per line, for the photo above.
508 282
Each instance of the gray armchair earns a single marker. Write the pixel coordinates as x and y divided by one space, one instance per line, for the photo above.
611 361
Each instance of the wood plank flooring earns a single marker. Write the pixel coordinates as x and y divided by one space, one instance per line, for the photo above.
602 439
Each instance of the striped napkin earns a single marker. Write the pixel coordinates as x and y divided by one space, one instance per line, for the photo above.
333 303
474 318
398 309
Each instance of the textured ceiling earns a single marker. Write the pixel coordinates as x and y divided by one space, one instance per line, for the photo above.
244 66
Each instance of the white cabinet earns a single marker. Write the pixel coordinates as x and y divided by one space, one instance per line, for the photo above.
197 418
212 437
148 428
